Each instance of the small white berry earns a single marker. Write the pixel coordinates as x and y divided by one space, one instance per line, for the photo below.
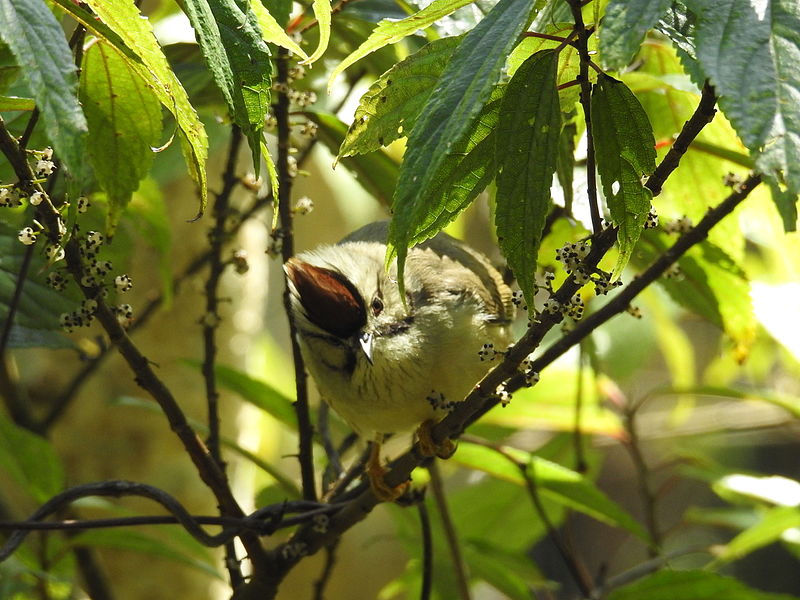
36 198
123 283
304 205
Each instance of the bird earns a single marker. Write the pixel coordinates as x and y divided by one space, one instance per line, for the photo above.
388 364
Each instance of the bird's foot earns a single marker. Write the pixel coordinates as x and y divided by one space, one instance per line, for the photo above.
375 473
428 447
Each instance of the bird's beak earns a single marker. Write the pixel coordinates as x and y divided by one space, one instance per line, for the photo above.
365 339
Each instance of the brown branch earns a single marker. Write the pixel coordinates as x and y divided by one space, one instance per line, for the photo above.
459 564
427 550
586 103
304 426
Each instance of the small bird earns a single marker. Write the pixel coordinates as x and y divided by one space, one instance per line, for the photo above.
384 365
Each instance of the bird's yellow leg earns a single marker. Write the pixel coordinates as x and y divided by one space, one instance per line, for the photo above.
430 448
375 473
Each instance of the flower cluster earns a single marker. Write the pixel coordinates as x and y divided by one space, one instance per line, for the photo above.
681 225
651 222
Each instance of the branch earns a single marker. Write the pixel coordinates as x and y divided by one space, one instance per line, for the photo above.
582 44
427 550
304 427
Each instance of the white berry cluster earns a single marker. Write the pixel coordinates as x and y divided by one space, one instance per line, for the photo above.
439 402
488 352
303 206
681 225
603 283
503 395
10 197
572 255
531 376
674 272
651 222
575 308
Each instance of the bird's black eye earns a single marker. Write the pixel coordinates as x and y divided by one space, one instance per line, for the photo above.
376 305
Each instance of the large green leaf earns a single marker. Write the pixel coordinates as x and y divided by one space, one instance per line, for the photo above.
375 171
526 150
239 60
625 152
124 119
120 23
691 585
389 32
463 89
552 480
30 461
37 41
751 53
710 284
389 109
624 27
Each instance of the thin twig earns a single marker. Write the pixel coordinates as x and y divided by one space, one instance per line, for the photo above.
459 564
327 571
427 550
15 298
586 103
577 434
304 427
643 482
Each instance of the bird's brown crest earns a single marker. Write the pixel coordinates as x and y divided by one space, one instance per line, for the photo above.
328 297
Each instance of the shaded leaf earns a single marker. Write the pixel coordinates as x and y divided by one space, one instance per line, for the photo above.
625 152
691 585
511 573
120 23
463 89
35 37
239 60
624 27
526 150
30 460
389 109
124 118
552 481
375 171
750 52
769 529
258 393
389 32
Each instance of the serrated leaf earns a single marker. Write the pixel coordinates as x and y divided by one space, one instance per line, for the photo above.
37 40
565 165
375 171
389 32
120 23
552 480
124 118
30 460
272 32
625 152
389 109
463 89
691 585
624 27
239 60
14 103
526 150
711 285
750 51
322 12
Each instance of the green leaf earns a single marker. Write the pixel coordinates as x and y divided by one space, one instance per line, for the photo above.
135 541
258 393
768 530
625 152
624 27
565 165
711 285
389 109
27 337
37 41
272 32
124 118
526 150
322 12
750 52
552 481
239 60
786 203
30 460
39 305
511 573
691 585
389 32
463 89
120 23
375 171
14 103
